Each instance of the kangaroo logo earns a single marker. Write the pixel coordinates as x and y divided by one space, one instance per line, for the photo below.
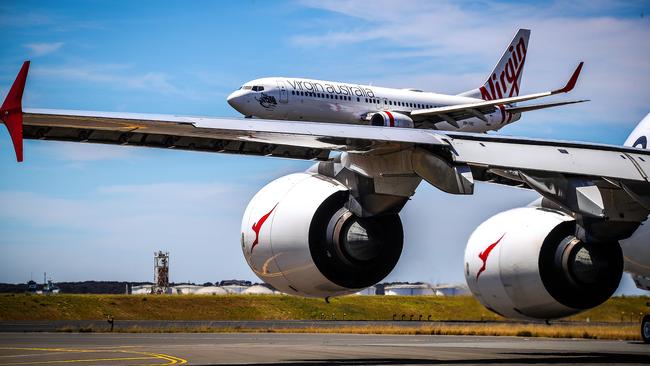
258 226
485 254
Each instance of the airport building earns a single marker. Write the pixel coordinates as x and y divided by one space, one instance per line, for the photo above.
162 285
425 289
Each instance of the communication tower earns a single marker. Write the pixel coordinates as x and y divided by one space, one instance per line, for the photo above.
160 273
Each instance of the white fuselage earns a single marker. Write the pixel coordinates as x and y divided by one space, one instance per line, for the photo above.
328 101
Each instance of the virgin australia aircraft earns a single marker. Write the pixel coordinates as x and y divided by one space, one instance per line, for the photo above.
489 107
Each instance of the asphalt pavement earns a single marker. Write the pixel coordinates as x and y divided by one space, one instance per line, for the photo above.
308 349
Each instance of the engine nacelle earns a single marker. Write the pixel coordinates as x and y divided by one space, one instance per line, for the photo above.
391 119
527 263
298 237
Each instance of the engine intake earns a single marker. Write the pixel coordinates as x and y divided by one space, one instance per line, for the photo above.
298 236
527 263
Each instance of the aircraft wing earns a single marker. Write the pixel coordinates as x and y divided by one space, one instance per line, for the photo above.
309 140
454 113
493 158
292 139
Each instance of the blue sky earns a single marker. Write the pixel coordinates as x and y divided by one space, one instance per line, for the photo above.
98 212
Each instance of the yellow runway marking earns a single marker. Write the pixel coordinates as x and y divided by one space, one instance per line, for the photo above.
82 360
171 360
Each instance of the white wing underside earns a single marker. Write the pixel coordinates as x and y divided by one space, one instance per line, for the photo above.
309 140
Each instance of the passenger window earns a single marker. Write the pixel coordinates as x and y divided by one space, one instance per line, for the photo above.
358 100
293 92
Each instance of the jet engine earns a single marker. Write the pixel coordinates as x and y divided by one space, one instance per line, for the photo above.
528 263
298 236
391 119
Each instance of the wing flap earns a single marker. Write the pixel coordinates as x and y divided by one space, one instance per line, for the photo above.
534 107
502 153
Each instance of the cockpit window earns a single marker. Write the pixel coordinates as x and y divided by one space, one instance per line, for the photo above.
258 88
246 87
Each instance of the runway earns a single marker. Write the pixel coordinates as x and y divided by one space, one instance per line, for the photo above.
308 349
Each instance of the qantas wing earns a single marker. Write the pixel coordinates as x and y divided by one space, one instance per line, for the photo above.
292 139
307 140
491 158
462 111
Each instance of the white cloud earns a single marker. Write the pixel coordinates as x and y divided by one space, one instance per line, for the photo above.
110 233
41 49
119 75
81 153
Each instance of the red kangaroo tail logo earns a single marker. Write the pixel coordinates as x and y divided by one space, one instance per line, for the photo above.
485 254
258 225
506 84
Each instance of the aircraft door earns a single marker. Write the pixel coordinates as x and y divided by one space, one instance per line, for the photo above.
383 104
284 93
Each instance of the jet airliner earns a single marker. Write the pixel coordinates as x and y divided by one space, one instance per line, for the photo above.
489 107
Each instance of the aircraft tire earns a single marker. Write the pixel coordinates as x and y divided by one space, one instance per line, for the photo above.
645 329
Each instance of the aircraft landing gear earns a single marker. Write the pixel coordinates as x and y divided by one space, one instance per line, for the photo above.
645 329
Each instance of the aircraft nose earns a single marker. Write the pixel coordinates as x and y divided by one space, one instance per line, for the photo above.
233 99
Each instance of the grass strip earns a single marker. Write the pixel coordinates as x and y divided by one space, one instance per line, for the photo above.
617 332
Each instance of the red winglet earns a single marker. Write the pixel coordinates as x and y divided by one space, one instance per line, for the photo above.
572 82
11 112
